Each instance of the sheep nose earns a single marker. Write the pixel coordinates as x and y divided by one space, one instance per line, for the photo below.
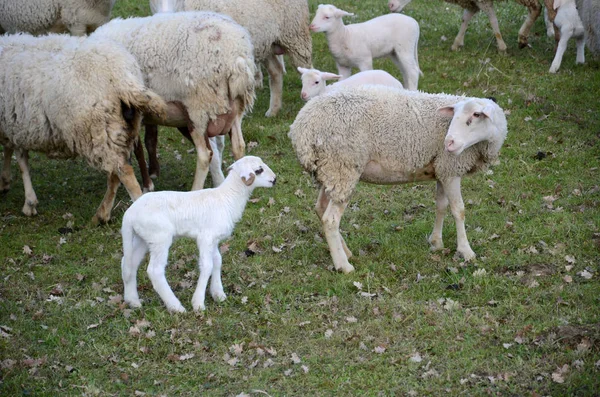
304 95
274 181
311 27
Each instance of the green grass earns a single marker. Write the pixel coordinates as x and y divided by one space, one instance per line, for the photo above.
506 336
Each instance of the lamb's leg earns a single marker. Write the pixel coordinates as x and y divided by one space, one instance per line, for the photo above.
535 9
441 205
331 227
159 254
320 207
344 71
366 64
216 285
205 265
103 212
459 41
5 178
31 200
216 171
580 50
151 142
488 8
565 35
129 270
276 85
138 149
409 69
452 190
238 146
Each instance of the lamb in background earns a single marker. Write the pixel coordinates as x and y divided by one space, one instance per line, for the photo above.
208 216
569 24
394 35
314 81
49 105
56 16
202 64
471 7
277 27
359 134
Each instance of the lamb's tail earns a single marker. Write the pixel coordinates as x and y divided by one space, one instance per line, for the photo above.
145 101
242 82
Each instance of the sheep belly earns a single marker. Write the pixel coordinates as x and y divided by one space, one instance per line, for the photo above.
378 173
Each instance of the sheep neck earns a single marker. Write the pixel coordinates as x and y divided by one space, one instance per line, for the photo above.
339 35
235 195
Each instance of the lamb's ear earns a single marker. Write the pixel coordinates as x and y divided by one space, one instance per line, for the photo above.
447 111
488 110
330 76
302 70
341 13
248 180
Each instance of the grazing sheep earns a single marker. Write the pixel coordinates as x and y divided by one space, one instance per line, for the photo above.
394 35
209 216
57 16
314 81
202 64
69 97
568 22
471 7
276 26
384 135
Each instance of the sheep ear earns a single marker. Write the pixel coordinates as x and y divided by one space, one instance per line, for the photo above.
341 13
248 180
447 111
302 70
488 111
330 76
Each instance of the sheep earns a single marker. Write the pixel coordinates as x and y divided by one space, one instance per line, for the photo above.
314 81
394 35
53 16
276 27
201 63
589 12
209 216
471 7
384 135
69 97
568 22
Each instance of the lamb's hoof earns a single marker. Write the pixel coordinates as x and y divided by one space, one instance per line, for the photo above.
435 244
199 308
98 220
523 44
176 308
219 296
466 254
134 303
345 268
29 209
553 70
271 112
456 47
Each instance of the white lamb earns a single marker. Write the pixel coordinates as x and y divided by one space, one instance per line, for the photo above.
568 22
201 63
208 216
360 133
57 16
314 81
69 97
394 35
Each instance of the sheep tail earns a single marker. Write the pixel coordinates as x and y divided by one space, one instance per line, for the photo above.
147 102
242 82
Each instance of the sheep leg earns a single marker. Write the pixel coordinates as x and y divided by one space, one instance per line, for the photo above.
151 141
238 146
535 9
488 8
216 285
331 227
103 212
5 178
159 254
409 69
206 265
344 71
203 154
320 207
459 41
452 189
128 179
565 35
275 71
31 200
216 171
366 64
139 155
129 270
441 205
580 50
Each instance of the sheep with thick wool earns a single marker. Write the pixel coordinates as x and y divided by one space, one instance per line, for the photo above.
208 216
314 81
276 26
78 17
472 7
201 63
69 97
384 135
354 46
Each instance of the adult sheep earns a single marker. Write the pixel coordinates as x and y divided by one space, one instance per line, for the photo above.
78 17
69 97
384 135
202 64
276 26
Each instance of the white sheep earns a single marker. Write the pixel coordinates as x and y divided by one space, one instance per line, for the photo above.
568 22
57 16
208 216
314 81
201 63
69 97
384 135
589 12
394 35
471 7
277 27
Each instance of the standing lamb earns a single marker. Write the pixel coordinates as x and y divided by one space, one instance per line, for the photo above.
78 17
394 35
314 81
359 133
202 64
568 22
472 7
277 27
69 97
209 216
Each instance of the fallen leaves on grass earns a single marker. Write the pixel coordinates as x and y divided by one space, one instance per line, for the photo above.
558 376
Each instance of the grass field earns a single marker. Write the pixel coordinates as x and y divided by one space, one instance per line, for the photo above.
522 319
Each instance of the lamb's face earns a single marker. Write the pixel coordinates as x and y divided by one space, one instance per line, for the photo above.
326 18
472 122
397 5
254 172
313 82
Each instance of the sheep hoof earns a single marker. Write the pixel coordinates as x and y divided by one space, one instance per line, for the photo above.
98 220
345 268
29 209
134 303
271 112
199 308
219 296
435 244
176 308
466 254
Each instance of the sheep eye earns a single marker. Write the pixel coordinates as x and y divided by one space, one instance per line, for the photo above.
326 17
476 114
259 171
316 82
